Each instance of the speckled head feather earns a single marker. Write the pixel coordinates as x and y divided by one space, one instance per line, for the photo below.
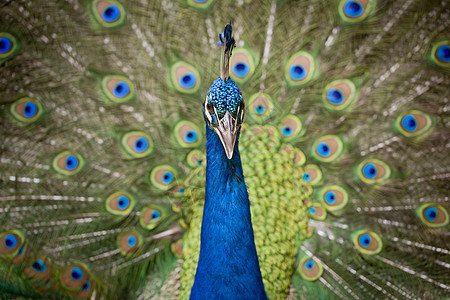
225 96
223 111
223 108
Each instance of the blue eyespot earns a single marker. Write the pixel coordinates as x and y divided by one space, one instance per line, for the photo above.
443 53
39 266
10 241
86 286
370 171
121 90
353 9
310 264
431 213
365 240
167 177
297 72
330 197
111 13
30 110
123 202
131 241
306 177
241 69
21 250
141 145
409 123
156 214
5 44
191 136
71 162
260 109
76 274
181 191
188 81
323 149
335 96
312 210
286 131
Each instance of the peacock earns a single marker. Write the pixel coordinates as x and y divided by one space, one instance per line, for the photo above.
299 153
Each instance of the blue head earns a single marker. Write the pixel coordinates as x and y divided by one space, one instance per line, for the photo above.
223 111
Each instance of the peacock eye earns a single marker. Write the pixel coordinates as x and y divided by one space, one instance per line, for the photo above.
210 108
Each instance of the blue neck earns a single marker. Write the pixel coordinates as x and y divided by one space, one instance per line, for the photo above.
228 266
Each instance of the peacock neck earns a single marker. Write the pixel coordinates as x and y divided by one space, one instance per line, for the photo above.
228 265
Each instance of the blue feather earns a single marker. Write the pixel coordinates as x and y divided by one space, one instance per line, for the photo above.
228 266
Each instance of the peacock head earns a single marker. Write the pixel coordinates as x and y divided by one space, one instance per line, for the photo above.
223 111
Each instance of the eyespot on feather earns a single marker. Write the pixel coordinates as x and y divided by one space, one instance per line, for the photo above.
440 54
242 65
163 177
108 13
129 243
290 127
178 190
367 242
137 143
187 134
68 163
185 77
8 46
200 4
355 11
310 269
195 158
11 242
312 174
433 215
333 197
317 212
300 69
74 277
117 89
86 290
26 110
373 171
151 216
339 94
120 203
261 106
40 268
413 123
327 148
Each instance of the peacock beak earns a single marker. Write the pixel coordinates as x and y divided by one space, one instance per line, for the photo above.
227 132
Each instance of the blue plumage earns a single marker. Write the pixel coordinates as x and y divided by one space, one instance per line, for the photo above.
228 265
